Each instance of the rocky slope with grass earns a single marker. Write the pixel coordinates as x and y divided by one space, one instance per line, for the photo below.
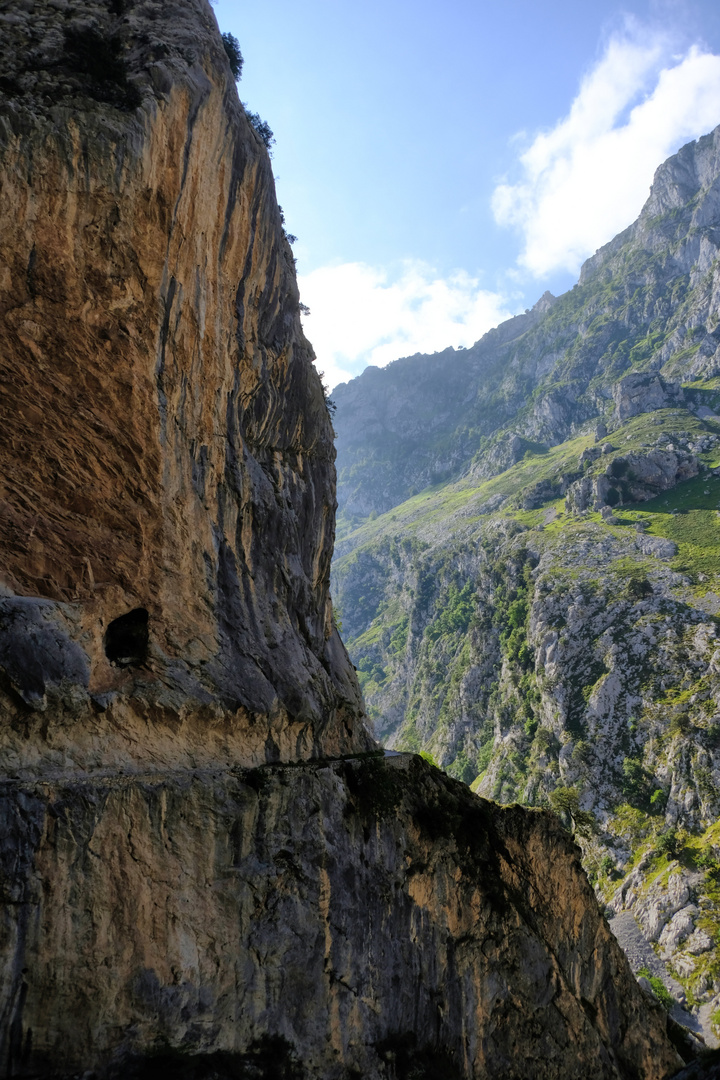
207 869
545 625
644 307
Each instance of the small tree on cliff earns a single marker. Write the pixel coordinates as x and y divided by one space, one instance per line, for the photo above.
235 57
565 802
262 128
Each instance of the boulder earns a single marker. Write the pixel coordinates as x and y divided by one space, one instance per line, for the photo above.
643 392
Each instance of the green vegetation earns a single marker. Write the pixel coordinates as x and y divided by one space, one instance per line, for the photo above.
235 57
263 129
565 802
659 988
466 499
512 614
456 505
426 756
715 1021
638 587
462 768
670 843
637 785
455 613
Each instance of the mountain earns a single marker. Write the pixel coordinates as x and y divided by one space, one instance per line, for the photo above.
530 591
645 305
208 869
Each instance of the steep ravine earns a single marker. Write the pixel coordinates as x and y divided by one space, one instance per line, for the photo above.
206 868
545 624
572 664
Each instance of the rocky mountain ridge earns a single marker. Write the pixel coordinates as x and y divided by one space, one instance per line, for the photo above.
644 304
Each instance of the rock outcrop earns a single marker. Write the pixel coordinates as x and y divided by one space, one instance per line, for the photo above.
167 454
646 392
350 919
631 478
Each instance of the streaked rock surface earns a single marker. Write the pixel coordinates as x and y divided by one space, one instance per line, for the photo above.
165 445
354 913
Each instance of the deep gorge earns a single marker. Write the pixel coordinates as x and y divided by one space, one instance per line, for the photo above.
207 864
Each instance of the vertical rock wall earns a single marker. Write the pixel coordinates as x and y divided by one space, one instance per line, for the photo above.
165 446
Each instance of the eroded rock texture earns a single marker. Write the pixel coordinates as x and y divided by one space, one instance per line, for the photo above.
165 448
360 918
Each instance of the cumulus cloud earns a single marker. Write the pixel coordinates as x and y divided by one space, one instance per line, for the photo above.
587 178
361 315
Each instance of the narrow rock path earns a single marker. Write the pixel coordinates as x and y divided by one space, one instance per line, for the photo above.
640 953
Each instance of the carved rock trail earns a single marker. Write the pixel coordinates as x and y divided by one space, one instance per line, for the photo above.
206 868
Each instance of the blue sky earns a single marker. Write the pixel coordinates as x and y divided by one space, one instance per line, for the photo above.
443 165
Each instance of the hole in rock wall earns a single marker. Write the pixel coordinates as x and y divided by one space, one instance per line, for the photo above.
127 638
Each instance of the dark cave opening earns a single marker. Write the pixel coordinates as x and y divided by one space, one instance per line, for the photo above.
127 638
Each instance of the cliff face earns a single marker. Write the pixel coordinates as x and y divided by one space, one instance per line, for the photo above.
351 919
646 304
166 451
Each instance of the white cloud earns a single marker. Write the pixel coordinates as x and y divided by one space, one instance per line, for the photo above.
360 316
588 178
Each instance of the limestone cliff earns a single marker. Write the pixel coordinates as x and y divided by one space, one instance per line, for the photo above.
348 919
173 900
166 451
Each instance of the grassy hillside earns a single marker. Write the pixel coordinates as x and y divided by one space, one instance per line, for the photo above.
561 659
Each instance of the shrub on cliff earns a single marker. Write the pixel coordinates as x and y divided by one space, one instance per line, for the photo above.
638 587
659 988
637 786
262 127
329 403
235 57
565 802
671 843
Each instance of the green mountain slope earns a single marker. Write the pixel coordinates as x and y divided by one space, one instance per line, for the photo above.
544 618
645 303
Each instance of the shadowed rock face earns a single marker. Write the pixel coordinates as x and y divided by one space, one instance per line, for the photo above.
165 446
168 517
366 919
